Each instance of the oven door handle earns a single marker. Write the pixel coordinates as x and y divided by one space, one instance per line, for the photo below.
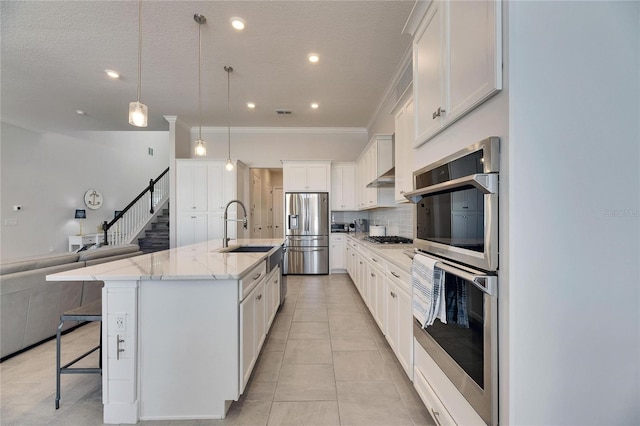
486 283
487 183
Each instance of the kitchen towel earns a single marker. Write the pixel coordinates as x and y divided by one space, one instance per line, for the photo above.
457 302
428 291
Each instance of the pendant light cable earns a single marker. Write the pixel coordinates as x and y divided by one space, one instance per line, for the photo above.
201 149
229 70
139 48
138 112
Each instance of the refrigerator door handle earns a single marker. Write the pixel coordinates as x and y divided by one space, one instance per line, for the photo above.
306 216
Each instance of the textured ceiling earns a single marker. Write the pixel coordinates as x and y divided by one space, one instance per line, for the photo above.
54 55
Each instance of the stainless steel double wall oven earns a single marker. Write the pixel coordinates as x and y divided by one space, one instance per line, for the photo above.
457 225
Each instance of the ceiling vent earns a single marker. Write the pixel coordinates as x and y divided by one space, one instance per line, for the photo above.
283 111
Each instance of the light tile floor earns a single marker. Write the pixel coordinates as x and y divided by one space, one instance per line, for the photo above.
324 362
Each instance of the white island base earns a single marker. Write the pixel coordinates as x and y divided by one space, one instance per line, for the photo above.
181 338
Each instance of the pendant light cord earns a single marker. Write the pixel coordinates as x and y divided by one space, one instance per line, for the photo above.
229 69
199 73
139 48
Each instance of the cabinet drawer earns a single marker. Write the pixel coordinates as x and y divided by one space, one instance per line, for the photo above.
250 280
399 276
435 407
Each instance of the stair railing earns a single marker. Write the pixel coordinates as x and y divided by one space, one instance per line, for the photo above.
128 223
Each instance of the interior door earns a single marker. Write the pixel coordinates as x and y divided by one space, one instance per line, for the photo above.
278 218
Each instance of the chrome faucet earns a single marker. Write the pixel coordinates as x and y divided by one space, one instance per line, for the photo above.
225 240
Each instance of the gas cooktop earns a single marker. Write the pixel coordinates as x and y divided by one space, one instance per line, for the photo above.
390 239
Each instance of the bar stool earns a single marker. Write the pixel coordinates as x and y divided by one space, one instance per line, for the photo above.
90 312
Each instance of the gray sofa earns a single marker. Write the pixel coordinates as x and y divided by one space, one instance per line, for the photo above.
30 306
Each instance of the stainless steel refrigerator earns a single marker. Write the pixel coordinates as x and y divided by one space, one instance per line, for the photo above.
306 233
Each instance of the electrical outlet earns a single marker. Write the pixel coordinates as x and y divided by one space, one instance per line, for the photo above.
121 322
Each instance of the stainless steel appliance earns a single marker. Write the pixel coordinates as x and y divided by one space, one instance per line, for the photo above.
466 347
457 206
339 227
457 225
389 239
306 233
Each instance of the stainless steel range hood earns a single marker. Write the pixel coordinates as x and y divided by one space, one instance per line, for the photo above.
385 180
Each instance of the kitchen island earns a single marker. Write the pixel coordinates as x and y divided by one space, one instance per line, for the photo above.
182 328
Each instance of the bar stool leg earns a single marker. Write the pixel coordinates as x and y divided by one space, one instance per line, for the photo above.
58 336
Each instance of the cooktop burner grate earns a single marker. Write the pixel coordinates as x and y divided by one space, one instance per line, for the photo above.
390 239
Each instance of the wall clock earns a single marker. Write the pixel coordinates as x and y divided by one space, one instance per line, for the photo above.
93 199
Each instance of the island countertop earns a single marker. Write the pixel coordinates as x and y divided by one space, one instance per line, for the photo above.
203 261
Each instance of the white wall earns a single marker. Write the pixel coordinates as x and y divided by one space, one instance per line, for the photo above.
574 202
265 147
49 173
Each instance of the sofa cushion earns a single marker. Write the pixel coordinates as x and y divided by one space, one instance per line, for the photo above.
37 262
107 251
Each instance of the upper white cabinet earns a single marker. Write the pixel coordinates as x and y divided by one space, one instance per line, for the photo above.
403 150
343 186
457 60
376 159
191 186
306 176
203 189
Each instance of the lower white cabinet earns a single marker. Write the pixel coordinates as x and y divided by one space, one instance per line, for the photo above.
386 290
399 331
337 253
193 227
377 290
252 329
273 296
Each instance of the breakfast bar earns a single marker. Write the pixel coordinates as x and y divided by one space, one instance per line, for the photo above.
182 328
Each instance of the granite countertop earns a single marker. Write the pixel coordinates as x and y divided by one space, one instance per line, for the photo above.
203 261
394 253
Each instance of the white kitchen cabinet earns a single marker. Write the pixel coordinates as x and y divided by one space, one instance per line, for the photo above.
457 61
306 176
376 159
377 290
272 292
191 186
204 187
222 185
337 253
399 316
403 150
253 327
193 227
343 186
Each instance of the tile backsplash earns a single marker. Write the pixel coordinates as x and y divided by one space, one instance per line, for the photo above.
398 220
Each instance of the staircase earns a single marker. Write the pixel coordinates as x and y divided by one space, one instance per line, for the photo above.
156 238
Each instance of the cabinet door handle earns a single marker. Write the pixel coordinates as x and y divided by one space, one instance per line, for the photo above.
258 297
395 275
374 259
257 276
118 349
435 416
373 275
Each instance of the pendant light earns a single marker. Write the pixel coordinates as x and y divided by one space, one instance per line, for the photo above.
229 165
201 148
138 112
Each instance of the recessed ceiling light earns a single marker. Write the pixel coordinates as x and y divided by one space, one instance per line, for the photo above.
251 105
237 23
313 57
112 74
314 105
80 112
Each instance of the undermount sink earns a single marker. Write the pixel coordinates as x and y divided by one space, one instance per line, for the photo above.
250 249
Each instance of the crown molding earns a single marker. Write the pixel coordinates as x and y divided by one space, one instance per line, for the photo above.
289 130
